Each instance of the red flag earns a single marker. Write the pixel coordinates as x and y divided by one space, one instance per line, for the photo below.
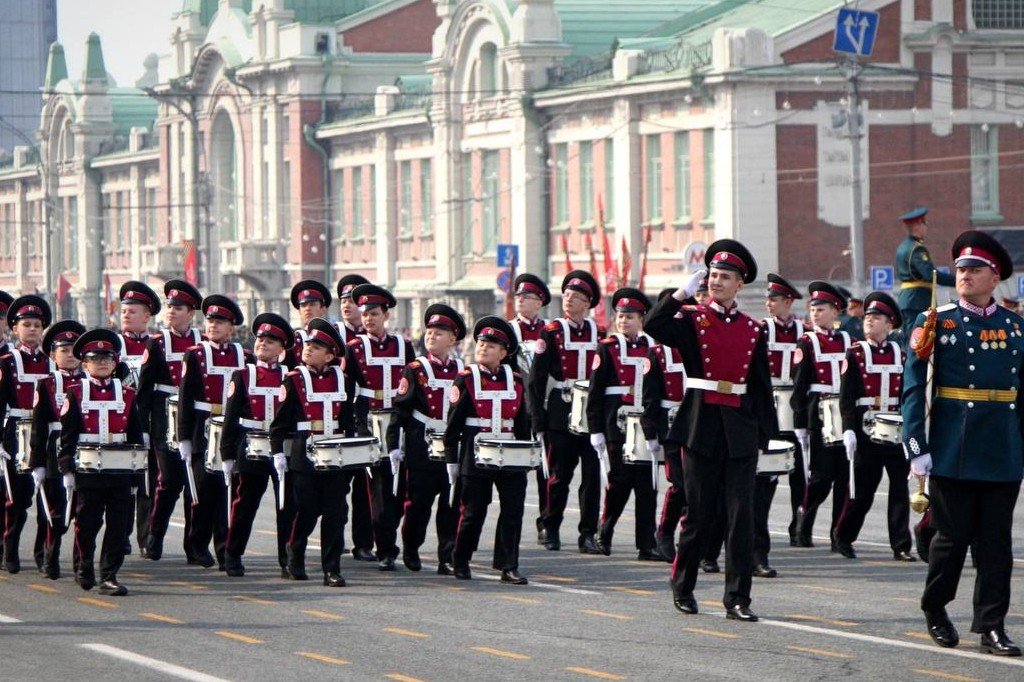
600 314
108 295
565 250
63 289
643 258
627 263
510 306
191 259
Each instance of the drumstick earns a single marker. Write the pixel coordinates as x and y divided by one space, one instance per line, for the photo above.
853 489
69 494
191 481
46 504
451 494
394 478
7 479
228 482
280 491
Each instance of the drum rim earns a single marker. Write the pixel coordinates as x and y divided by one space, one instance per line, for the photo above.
366 440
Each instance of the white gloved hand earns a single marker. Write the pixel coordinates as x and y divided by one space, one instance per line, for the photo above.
396 458
690 288
540 437
655 450
135 490
921 465
38 476
4 455
185 450
69 481
453 472
280 464
228 467
598 442
850 442
804 439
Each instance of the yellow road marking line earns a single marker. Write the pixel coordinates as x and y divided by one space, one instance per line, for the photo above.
500 653
819 588
918 635
162 619
451 588
140 576
41 588
254 600
521 600
632 590
322 614
713 633
710 603
321 658
946 676
402 678
605 614
879 563
267 532
818 619
819 652
555 578
96 602
191 586
590 672
407 633
244 639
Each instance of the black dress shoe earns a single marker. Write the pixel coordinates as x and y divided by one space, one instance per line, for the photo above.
553 542
542 535
127 547
685 602
804 541
794 541
764 571
204 559
709 566
941 629
147 553
334 580
738 612
296 573
445 568
386 564
412 561
462 573
588 545
667 547
12 566
604 547
996 642
363 554
650 555
846 549
85 581
513 578
52 570
285 574
904 555
112 588
235 571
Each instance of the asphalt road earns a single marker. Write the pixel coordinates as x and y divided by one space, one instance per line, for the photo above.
581 617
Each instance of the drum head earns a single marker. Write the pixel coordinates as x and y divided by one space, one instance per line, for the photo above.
349 442
582 384
893 419
217 421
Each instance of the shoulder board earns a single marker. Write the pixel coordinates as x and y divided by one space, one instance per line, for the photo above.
946 308
355 343
610 340
415 364
465 372
552 326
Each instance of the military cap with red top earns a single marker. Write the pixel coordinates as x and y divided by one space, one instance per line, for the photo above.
369 296
914 215
349 282
63 333
583 282
975 247
218 307
445 317
823 292
29 306
180 292
630 300
881 303
322 332
5 302
139 293
496 330
778 286
729 254
310 290
528 283
97 342
272 325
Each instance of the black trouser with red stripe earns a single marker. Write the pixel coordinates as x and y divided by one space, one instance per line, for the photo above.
623 480
362 512
476 495
387 508
797 482
210 515
830 472
48 537
675 495
566 451
16 511
94 506
171 483
422 486
870 461
321 495
249 487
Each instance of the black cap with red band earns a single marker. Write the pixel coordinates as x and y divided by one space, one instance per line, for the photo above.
322 332
444 316
63 333
528 283
777 286
97 342
272 325
368 296
180 292
584 283
5 302
496 330
310 290
349 282
823 292
881 303
218 307
630 300
729 254
29 306
139 293
975 247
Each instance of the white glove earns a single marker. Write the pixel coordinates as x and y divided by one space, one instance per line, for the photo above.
655 450
38 476
453 472
4 455
850 441
540 438
228 467
396 458
280 464
597 441
921 465
69 481
690 288
805 440
185 450
135 490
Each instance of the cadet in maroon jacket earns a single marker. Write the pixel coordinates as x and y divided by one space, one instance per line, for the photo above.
313 300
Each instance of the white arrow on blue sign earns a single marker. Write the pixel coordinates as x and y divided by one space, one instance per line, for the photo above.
882 278
855 32
506 252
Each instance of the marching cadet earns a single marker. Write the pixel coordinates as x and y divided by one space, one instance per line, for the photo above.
5 303
349 327
728 414
488 399
816 373
253 398
58 344
872 379
530 295
616 389
312 299
20 370
100 410
914 269
375 361
962 426
159 379
317 402
422 406
663 390
205 378
564 354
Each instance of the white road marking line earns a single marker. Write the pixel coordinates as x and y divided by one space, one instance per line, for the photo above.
8 619
546 586
151 663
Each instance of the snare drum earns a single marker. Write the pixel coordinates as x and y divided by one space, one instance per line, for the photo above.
887 428
783 409
508 455
110 459
343 453
214 430
634 451
831 420
24 432
578 411
380 420
435 453
257 445
778 459
172 423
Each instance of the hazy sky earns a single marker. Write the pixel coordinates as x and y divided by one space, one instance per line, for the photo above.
129 30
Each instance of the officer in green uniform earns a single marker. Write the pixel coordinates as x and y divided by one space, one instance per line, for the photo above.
914 268
851 319
973 446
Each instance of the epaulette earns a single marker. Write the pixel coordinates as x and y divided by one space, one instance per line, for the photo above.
415 364
609 340
552 326
946 308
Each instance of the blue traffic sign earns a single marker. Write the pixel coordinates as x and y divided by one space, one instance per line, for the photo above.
855 32
882 278
506 252
1020 285
504 280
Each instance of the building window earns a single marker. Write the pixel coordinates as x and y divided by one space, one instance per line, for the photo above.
491 201
985 172
587 182
653 178
561 169
998 14
609 181
488 70
682 170
338 230
405 201
709 175
468 202
72 226
284 204
357 203
426 198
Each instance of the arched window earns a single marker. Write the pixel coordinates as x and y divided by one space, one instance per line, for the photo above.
488 84
66 143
